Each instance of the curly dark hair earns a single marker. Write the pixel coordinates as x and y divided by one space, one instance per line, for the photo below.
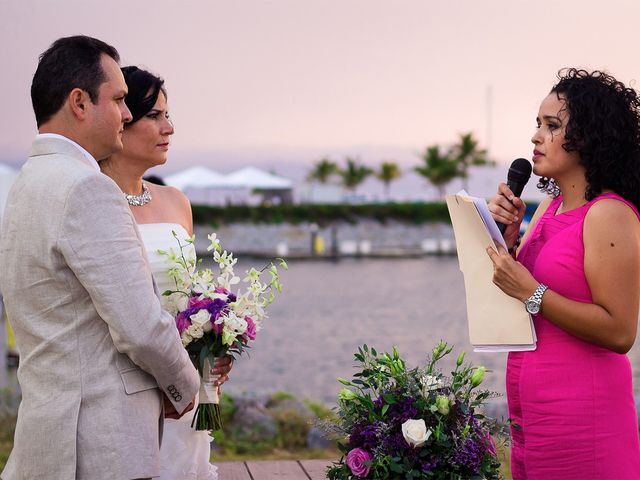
604 128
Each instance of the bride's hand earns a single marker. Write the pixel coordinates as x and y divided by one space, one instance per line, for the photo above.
222 368
170 410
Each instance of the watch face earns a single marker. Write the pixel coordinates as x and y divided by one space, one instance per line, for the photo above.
533 307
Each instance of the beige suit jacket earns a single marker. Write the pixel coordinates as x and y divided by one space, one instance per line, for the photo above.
94 343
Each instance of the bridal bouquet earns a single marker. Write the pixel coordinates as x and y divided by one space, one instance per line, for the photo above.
414 424
211 318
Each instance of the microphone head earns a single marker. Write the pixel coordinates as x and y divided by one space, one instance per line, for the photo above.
519 171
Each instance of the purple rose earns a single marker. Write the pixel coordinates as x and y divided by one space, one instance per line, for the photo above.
252 330
197 303
356 459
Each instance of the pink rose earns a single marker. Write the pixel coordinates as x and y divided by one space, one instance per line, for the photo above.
252 330
491 446
182 322
356 459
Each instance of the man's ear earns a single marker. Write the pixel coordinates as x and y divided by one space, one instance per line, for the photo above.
78 103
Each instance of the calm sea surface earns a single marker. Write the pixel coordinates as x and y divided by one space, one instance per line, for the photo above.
328 309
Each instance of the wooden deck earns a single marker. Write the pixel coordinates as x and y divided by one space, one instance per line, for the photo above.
267 470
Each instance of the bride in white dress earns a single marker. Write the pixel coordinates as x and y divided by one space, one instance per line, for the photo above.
158 211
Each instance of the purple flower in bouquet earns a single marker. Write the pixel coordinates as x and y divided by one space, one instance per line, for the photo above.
214 306
429 465
212 321
252 328
182 322
356 459
403 410
469 454
364 435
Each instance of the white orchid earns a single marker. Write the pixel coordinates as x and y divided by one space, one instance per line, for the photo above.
214 243
251 300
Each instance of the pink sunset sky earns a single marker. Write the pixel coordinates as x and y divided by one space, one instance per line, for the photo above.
258 81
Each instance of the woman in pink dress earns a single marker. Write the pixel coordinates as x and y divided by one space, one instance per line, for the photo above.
578 274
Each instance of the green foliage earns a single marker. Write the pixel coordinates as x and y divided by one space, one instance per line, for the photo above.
415 213
467 153
293 420
439 168
281 396
388 172
323 170
446 436
227 407
320 411
354 173
293 429
7 427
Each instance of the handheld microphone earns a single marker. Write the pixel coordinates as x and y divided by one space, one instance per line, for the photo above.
517 178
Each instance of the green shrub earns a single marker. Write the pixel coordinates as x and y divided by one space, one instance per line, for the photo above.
415 213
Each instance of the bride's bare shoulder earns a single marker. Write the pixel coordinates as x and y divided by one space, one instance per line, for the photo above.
167 193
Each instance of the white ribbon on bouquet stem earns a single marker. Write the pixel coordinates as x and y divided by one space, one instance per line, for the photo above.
208 389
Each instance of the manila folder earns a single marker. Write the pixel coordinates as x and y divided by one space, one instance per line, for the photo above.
497 322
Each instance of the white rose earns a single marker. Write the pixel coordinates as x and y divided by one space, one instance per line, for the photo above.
200 318
415 432
196 331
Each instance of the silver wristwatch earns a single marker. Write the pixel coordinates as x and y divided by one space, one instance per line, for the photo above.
534 302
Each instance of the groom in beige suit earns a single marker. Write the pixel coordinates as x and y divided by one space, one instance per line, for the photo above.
97 354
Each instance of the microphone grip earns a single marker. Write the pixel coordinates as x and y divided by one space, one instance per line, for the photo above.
516 188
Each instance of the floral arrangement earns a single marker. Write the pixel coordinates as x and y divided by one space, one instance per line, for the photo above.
212 320
414 424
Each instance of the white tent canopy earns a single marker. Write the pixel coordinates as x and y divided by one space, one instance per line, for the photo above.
254 178
197 177
205 186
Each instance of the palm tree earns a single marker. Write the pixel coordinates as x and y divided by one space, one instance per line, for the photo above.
389 171
354 174
323 170
438 168
467 153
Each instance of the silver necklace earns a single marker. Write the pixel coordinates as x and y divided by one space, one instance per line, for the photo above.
139 200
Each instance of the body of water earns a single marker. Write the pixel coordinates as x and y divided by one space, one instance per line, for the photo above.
328 309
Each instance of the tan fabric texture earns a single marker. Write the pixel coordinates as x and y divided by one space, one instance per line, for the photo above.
94 343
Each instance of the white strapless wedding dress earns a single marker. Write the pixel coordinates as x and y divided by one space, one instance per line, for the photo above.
185 451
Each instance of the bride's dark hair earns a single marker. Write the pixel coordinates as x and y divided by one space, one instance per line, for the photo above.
144 88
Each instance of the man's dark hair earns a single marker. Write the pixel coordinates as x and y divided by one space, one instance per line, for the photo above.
70 62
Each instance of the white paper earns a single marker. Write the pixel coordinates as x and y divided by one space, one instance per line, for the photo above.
487 303
485 215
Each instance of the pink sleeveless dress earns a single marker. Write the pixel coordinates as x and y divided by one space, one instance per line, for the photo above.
572 401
